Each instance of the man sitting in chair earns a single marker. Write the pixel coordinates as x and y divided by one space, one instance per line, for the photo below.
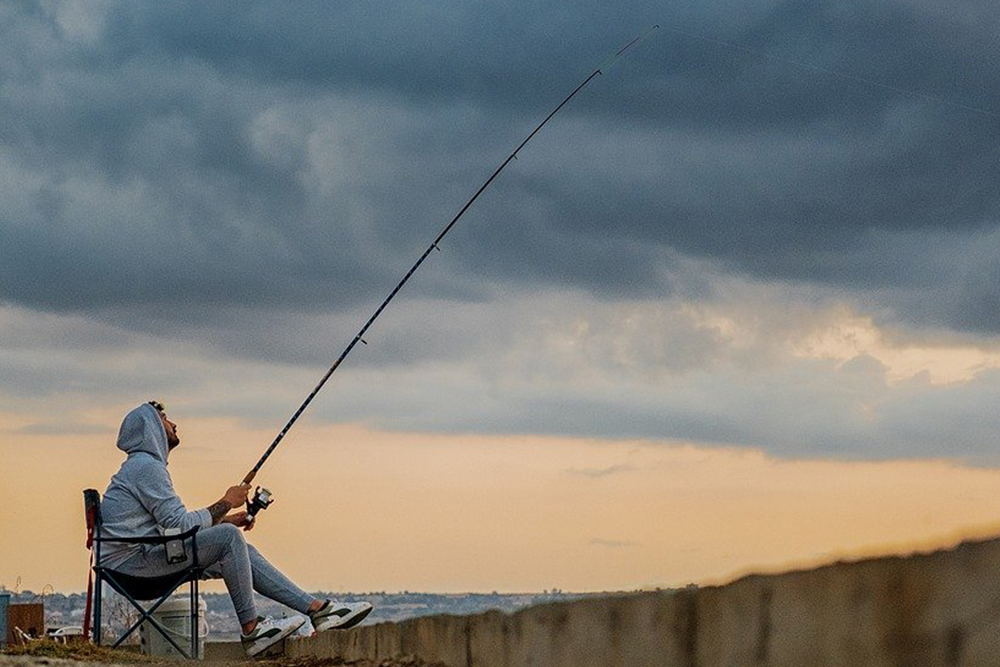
141 501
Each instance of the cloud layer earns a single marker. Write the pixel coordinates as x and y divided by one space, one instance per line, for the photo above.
241 183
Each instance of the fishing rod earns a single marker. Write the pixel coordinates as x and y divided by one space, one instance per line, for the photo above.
262 497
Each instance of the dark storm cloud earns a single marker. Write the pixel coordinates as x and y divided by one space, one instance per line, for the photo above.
298 157
205 200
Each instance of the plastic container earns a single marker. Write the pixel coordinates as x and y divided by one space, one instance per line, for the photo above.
175 616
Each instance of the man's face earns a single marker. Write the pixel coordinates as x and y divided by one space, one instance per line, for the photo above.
171 428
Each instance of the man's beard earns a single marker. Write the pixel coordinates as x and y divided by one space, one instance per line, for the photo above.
172 442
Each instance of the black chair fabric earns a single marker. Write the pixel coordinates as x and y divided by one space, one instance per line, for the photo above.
145 588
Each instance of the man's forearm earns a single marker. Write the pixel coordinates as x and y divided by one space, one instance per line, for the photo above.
218 510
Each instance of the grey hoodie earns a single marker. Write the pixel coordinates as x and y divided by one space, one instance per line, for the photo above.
140 500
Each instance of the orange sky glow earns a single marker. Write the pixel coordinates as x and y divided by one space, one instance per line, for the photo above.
361 510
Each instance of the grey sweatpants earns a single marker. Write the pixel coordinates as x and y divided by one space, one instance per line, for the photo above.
225 554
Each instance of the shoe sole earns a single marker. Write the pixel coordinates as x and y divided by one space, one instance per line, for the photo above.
277 638
354 621
350 622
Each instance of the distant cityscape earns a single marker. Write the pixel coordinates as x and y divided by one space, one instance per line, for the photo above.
68 609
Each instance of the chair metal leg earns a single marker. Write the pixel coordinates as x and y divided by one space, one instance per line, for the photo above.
97 608
194 618
146 615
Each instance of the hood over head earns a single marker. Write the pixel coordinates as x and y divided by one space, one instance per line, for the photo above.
142 431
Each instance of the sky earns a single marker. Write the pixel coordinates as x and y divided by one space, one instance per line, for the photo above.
736 307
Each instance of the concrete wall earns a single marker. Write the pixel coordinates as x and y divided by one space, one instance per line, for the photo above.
920 611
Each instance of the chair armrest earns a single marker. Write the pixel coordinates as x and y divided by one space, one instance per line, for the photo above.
150 539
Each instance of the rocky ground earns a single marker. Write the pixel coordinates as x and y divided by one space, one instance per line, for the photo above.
48 654
41 661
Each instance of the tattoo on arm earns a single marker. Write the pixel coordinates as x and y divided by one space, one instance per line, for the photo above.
218 510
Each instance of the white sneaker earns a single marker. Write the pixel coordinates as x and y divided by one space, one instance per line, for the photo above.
268 632
339 615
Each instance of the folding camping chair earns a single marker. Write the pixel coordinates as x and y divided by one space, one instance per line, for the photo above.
134 588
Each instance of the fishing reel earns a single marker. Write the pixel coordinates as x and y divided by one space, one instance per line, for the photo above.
261 500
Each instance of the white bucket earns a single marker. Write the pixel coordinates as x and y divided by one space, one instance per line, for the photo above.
175 616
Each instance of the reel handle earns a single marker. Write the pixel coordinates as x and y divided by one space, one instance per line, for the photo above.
261 501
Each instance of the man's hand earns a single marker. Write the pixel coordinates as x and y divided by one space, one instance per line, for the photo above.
240 520
237 495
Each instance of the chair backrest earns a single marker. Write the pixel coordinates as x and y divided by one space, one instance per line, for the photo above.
92 510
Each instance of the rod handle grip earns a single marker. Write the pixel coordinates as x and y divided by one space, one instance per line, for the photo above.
249 477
